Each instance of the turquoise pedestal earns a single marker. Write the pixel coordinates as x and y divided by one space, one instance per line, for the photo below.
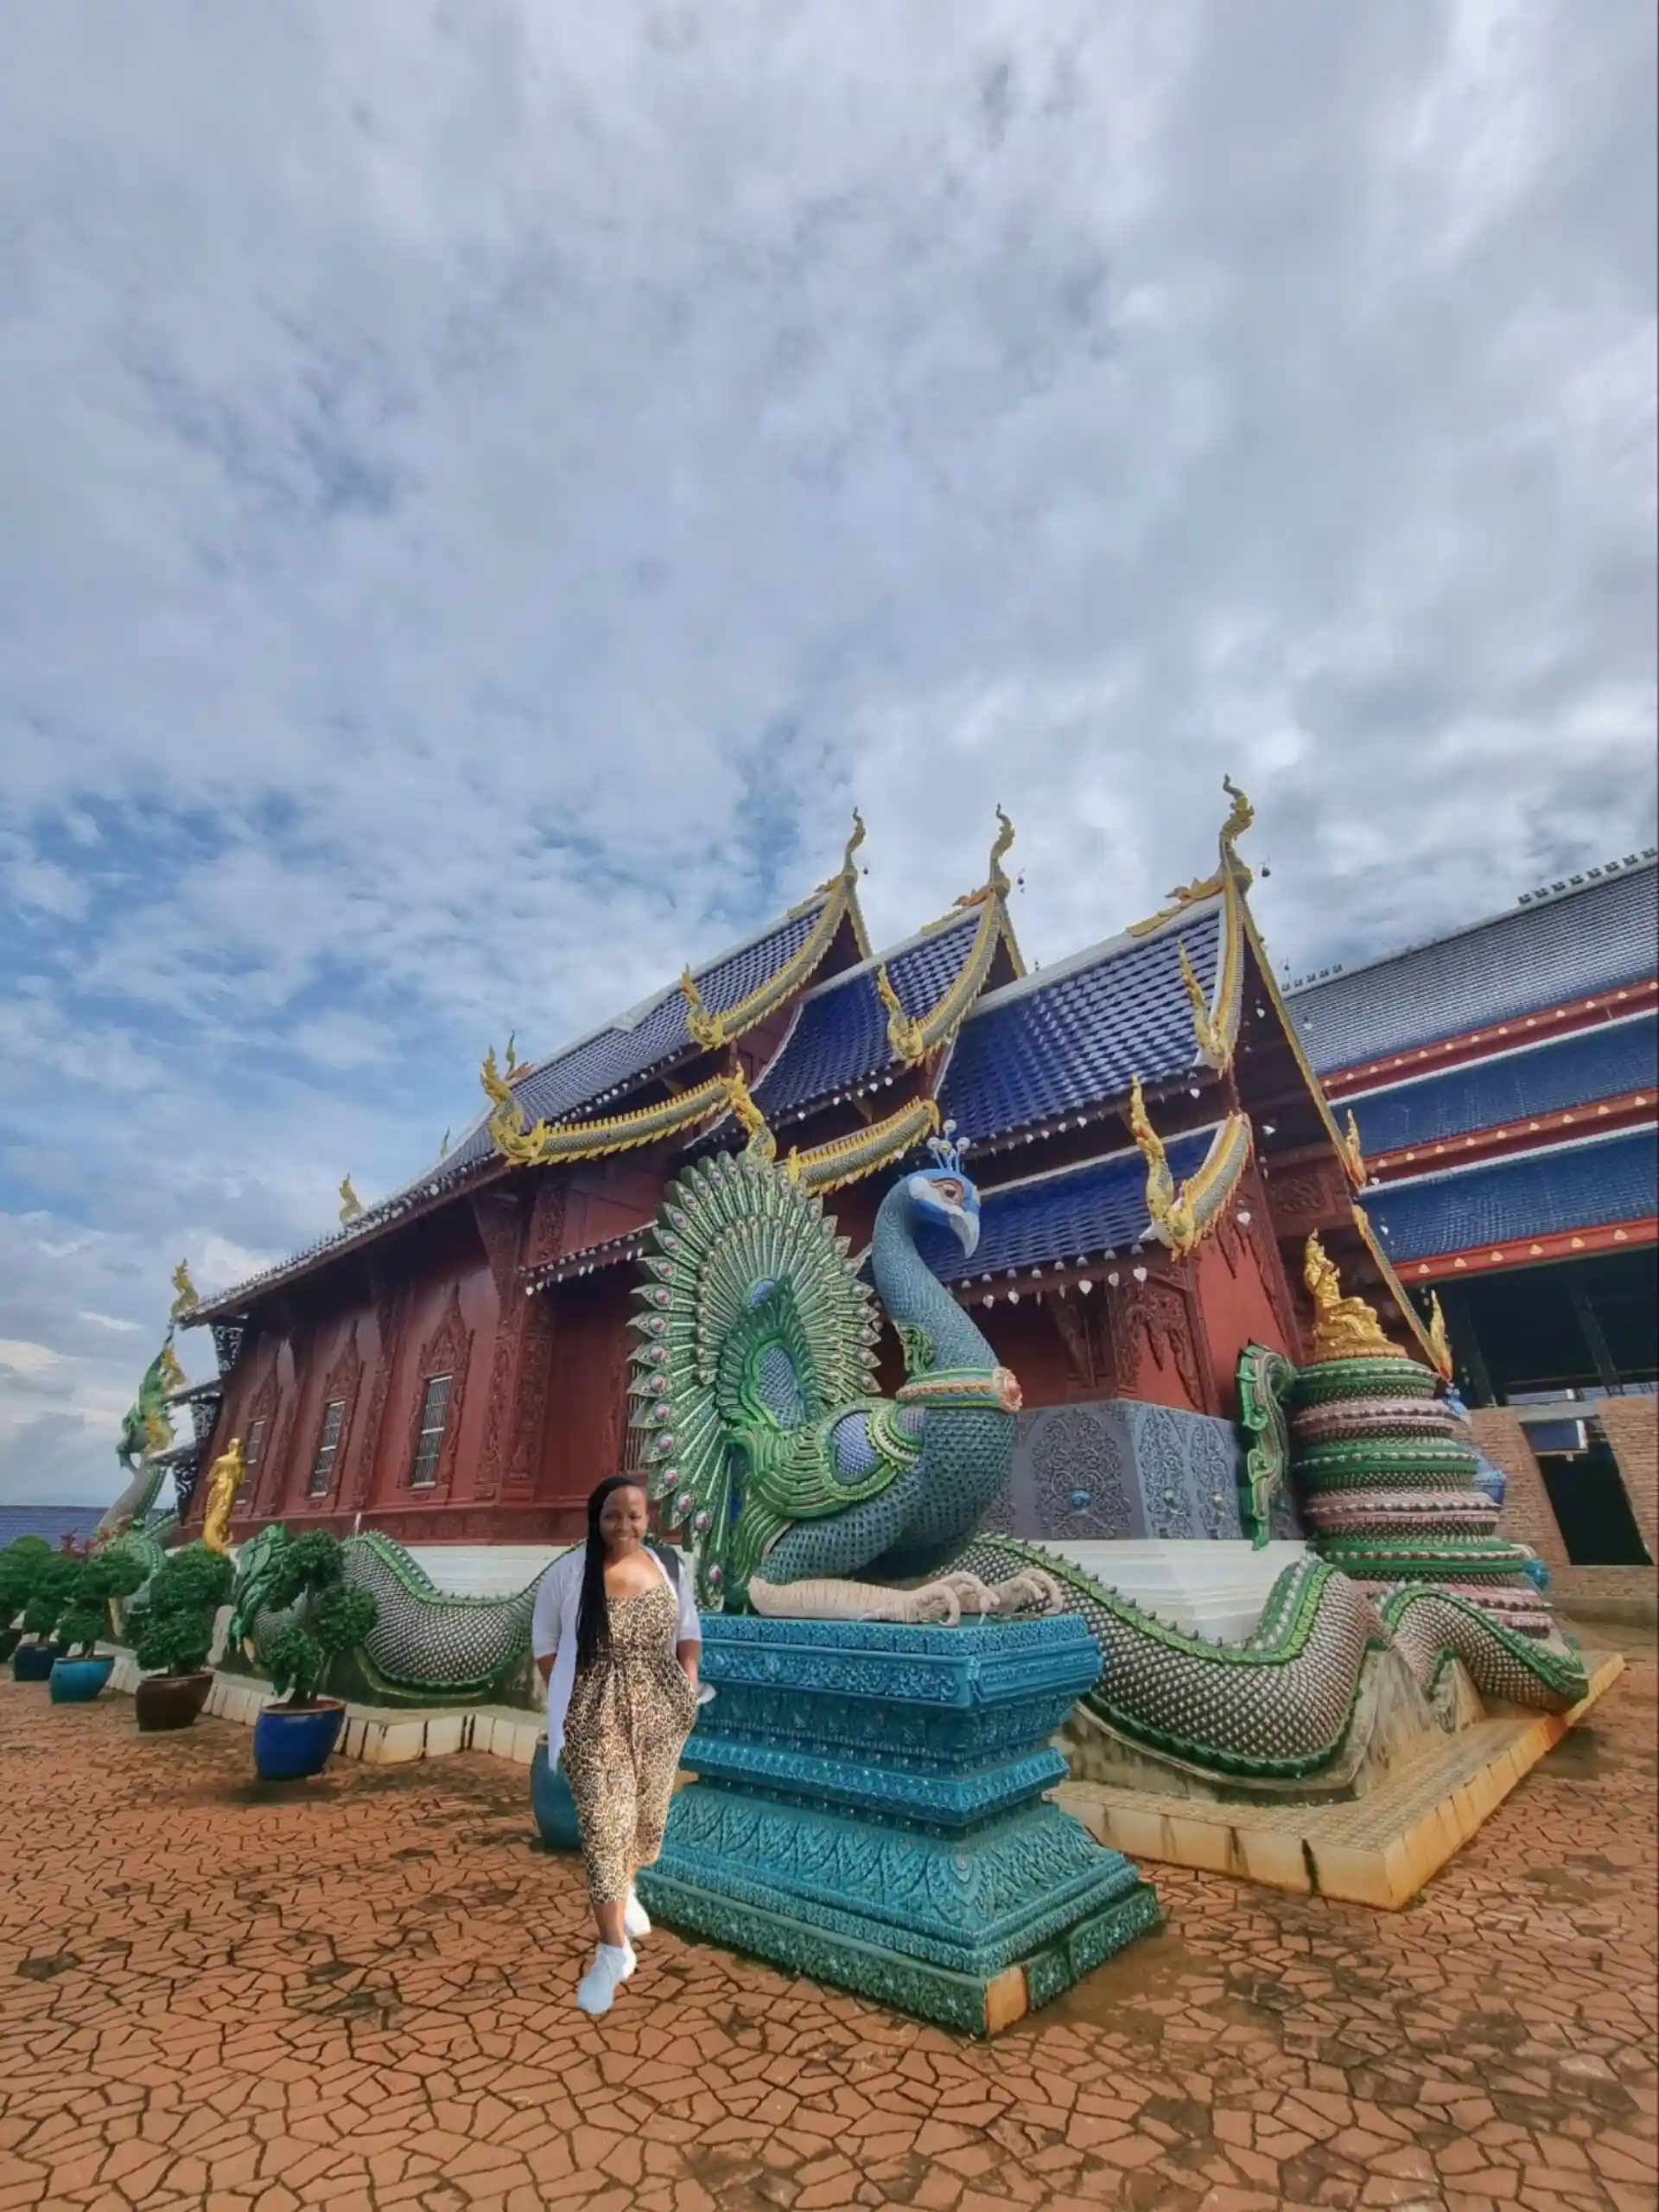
869 1811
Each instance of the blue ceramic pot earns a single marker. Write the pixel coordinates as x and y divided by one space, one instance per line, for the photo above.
33 1663
553 1805
289 1745
78 1681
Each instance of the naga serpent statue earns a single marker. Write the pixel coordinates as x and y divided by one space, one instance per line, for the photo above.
805 1493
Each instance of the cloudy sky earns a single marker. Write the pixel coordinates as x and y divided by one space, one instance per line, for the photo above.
484 489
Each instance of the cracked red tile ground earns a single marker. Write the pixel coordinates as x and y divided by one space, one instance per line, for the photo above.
358 1993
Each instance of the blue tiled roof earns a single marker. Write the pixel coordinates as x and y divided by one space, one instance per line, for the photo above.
1099 1207
52 1521
620 1057
1079 1035
840 1036
1543 954
1604 1063
1509 1201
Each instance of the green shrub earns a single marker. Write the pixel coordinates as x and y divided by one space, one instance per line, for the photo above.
333 1619
26 1566
175 1629
54 1585
84 1616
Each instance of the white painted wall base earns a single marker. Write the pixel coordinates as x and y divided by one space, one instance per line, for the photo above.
1214 1589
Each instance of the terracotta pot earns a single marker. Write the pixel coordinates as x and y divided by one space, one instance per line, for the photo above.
165 1701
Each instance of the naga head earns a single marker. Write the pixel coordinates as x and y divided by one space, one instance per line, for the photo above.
943 1193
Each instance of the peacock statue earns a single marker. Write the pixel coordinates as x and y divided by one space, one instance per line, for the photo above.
805 1493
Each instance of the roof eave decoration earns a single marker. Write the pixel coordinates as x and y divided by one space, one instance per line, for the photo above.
992 898
542 1143
840 895
1413 1321
1181 1217
828 1167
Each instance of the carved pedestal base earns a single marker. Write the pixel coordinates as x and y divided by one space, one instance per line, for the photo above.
869 1811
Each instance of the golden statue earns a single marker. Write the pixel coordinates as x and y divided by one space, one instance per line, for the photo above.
1440 1341
224 1480
184 1300
350 1205
1344 1328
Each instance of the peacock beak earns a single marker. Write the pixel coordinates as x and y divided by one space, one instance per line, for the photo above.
966 1228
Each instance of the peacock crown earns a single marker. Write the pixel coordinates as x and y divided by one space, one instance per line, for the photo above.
947 1153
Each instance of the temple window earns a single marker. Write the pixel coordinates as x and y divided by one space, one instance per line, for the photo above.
334 1415
435 1412
255 1441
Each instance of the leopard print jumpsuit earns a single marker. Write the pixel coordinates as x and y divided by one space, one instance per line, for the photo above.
630 1714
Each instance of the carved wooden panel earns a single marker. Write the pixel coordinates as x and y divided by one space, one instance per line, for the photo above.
1071 1322
1157 1322
500 1224
261 1416
535 1378
389 1293
545 1238
1313 1194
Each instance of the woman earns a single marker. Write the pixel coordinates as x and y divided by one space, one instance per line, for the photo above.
616 1637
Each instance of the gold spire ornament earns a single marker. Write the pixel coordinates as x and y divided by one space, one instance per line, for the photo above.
1206 1031
350 1205
1182 895
224 1480
512 1053
1440 1342
1353 1156
184 1293
1344 1328
996 884
904 1035
1238 821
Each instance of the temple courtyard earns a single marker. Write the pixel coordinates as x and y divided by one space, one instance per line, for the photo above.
358 1992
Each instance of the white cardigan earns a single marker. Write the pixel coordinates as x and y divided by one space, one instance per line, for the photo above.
553 1630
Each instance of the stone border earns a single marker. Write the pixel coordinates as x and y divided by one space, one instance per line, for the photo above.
1377 1850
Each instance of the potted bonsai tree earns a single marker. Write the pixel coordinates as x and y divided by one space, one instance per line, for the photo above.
50 1582
175 1634
80 1673
295 1738
19 1564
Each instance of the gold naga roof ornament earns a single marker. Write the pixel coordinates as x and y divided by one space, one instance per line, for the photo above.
350 1207
1168 1209
905 1036
172 1373
826 1167
707 1029
762 1144
1343 1327
1208 1033
1440 1342
1353 1156
847 872
996 884
185 1299
1232 868
517 1141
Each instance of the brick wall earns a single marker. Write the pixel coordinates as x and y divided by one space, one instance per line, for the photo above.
1528 1517
1631 1428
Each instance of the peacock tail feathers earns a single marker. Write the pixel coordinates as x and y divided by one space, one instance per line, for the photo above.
755 1339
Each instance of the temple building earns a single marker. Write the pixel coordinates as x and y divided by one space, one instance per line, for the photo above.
1505 1085
1152 1147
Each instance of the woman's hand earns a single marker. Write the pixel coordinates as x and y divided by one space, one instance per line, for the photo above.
689 1656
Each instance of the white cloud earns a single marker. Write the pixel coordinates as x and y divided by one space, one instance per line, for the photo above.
486 490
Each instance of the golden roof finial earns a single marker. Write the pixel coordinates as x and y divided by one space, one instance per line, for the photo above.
1169 1210
512 1052
996 884
707 1029
903 1034
350 1205
1344 1328
1206 1032
1440 1342
847 872
184 1299
1243 814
